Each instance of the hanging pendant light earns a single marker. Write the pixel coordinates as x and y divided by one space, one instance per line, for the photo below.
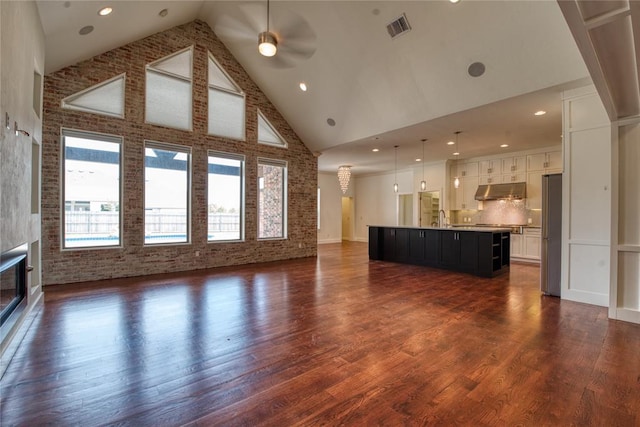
267 43
344 174
456 181
423 183
395 186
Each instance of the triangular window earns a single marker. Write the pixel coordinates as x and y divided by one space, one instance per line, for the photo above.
226 103
105 98
267 134
168 90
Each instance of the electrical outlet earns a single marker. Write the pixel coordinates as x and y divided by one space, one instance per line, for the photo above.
197 253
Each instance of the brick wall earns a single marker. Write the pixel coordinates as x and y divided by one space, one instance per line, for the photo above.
134 258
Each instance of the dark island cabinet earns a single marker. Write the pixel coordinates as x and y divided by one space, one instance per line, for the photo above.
483 253
459 250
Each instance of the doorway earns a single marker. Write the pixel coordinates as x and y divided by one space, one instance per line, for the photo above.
405 209
347 218
429 208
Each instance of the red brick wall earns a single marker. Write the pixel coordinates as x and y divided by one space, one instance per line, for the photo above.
134 258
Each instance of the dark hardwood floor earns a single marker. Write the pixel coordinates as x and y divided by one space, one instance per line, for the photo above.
336 340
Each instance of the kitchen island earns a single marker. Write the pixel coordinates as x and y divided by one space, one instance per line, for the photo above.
480 251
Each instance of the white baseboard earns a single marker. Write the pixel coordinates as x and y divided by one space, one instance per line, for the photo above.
325 241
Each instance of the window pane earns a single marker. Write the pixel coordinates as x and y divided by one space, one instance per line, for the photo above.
166 194
271 200
226 114
91 190
225 197
168 101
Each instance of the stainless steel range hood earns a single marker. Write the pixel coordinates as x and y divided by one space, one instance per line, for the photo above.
511 190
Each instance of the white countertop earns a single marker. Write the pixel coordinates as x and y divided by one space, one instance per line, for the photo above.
456 228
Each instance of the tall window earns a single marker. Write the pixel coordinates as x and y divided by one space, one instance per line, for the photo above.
92 197
272 199
168 90
225 196
226 103
167 171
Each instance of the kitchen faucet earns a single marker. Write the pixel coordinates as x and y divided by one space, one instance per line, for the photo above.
443 214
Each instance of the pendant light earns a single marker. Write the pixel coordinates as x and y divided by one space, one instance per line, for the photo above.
267 43
395 186
423 183
456 181
344 174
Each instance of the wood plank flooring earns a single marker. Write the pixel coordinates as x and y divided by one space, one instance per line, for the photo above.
336 340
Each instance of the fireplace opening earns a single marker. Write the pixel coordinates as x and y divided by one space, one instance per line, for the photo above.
13 285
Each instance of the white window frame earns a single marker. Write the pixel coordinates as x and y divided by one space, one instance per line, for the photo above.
283 164
178 149
241 158
67 132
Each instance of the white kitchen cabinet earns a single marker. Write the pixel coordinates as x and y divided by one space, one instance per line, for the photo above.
491 167
514 165
550 161
489 179
514 177
534 189
464 196
516 245
531 243
467 169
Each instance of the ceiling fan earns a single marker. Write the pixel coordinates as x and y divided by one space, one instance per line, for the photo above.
287 37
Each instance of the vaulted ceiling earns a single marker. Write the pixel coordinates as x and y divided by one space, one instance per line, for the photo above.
367 90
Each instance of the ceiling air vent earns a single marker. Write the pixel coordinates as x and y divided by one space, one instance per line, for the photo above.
399 26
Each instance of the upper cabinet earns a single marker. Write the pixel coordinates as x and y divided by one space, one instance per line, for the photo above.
525 167
491 167
550 161
466 169
514 165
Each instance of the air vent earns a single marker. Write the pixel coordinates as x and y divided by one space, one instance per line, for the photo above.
399 26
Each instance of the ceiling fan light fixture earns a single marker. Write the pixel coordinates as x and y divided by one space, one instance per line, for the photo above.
267 44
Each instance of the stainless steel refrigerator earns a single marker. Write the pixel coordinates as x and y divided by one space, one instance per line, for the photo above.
551 234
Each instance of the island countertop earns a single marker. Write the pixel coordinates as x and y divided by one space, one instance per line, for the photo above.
453 228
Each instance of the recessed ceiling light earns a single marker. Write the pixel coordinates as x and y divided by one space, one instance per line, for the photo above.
504 145
85 30
163 12
540 113
450 143
456 154
303 86
454 1
375 150
418 160
105 11
331 122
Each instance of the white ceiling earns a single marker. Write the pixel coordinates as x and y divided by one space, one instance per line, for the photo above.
396 90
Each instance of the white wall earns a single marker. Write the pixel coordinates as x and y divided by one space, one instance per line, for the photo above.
587 198
21 54
331 207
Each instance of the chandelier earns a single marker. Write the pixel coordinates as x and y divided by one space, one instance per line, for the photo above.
344 174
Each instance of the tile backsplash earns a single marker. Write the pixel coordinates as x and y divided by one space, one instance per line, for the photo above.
499 212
